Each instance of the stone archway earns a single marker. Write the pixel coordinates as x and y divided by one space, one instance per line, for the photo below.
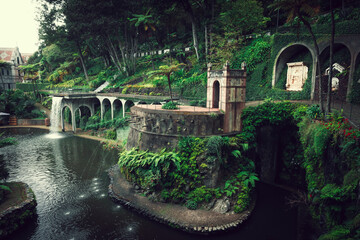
105 108
127 105
216 94
67 117
341 58
118 108
82 114
286 54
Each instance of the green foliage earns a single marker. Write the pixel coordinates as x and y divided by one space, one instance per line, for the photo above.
170 106
256 53
243 200
331 191
17 103
200 195
267 113
337 233
191 204
110 134
94 123
147 169
300 112
313 111
330 199
248 178
215 147
6 141
29 87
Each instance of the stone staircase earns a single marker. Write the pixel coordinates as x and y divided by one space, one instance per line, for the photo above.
99 89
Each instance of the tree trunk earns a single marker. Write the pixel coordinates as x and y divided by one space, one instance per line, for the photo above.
112 55
168 77
317 52
328 103
196 44
188 9
82 61
206 42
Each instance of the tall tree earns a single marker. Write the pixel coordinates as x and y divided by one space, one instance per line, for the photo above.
303 10
189 10
329 87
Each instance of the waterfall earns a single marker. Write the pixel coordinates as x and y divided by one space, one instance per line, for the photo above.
55 114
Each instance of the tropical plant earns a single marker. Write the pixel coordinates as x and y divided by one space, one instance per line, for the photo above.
248 178
170 106
167 71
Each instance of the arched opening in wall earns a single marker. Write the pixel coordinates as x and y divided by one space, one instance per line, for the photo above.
354 96
341 65
216 94
293 70
107 109
128 104
96 118
66 112
82 116
118 109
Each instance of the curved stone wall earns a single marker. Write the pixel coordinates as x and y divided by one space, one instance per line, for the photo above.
155 129
18 213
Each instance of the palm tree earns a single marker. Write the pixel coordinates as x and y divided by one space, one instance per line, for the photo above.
303 9
166 70
5 65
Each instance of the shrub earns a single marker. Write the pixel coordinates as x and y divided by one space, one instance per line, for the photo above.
313 111
110 134
170 106
191 204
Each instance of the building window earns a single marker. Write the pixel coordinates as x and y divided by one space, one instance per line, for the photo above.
18 60
7 72
2 71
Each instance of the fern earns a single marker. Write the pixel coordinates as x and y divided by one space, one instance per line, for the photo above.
6 188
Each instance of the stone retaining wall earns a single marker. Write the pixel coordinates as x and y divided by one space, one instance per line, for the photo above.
156 129
15 216
27 122
121 192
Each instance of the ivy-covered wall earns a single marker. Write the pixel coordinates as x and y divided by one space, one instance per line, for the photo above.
320 157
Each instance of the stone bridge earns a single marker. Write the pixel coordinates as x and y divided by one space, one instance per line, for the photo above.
117 103
351 42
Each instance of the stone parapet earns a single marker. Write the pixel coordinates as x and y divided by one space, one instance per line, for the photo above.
155 129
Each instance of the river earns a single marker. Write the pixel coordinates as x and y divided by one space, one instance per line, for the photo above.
68 176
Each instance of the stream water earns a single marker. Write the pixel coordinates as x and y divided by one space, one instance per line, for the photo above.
68 176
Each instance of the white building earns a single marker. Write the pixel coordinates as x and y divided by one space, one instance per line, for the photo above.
10 76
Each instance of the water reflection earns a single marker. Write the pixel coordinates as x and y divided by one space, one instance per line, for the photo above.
68 176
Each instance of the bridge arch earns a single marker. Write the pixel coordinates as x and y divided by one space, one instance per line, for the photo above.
118 108
128 104
82 114
67 113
